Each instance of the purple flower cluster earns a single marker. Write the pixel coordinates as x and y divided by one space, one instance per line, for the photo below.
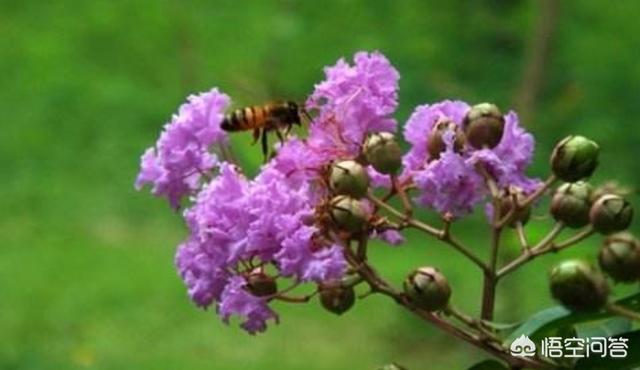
238 225
352 102
175 165
452 183
272 222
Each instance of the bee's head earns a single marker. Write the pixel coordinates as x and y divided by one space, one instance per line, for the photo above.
294 111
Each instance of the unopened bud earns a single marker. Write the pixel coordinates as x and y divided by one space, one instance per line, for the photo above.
620 257
509 200
348 213
349 178
611 213
574 158
571 204
336 297
579 286
428 289
260 284
383 153
484 126
436 143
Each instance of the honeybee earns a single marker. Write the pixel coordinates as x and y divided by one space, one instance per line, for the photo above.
276 117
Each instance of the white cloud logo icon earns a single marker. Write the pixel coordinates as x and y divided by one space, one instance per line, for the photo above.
523 347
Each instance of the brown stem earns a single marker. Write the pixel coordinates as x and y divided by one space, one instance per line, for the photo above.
294 299
440 234
472 323
406 203
573 240
545 246
490 279
539 192
379 285
522 237
508 217
623 311
457 245
420 225
491 182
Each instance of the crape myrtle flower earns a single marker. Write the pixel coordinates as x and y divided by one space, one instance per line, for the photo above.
390 236
508 161
236 223
204 277
175 165
420 125
352 102
236 300
451 182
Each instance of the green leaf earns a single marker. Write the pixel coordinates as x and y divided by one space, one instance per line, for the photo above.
631 362
604 328
547 322
488 365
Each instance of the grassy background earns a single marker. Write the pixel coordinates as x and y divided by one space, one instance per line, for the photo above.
86 263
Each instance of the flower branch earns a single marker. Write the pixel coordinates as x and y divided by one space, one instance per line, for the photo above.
295 219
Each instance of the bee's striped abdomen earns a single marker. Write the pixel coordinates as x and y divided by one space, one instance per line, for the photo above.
245 119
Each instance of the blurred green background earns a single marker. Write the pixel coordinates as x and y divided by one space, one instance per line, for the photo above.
86 263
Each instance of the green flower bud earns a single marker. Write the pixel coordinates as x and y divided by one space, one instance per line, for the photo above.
620 257
349 178
428 289
571 204
261 284
336 297
574 158
348 213
383 152
435 141
611 213
484 126
507 203
579 286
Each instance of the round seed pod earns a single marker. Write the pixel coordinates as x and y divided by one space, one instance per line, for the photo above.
348 213
428 289
619 257
574 158
571 204
611 213
260 284
484 126
383 153
507 203
579 286
336 297
435 142
348 178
